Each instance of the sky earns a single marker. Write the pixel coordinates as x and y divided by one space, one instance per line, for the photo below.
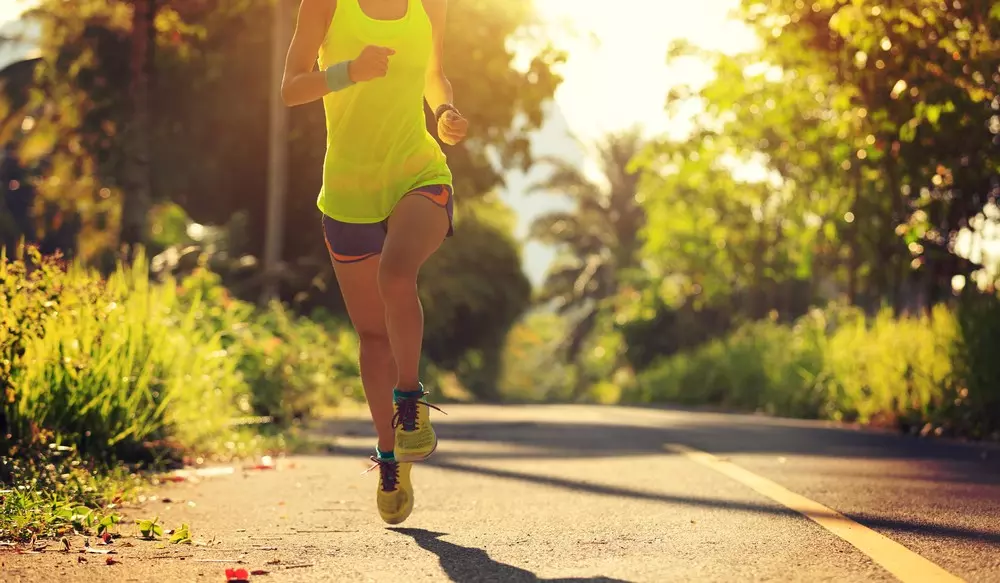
9 10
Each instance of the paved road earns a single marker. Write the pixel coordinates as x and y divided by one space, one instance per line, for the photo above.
576 493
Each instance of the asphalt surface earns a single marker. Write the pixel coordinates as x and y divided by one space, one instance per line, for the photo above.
573 493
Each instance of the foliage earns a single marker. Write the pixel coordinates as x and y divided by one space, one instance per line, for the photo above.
57 493
874 128
534 366
838 160
597 241
212 129
290 364
125 361
468 311
109 365
909 372
96 372
978 367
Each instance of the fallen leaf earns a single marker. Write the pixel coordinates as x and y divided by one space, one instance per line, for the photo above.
81 559
111 561
94 551
259 572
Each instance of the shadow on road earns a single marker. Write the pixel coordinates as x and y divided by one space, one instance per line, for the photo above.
925 528
716 433
959 479
468 564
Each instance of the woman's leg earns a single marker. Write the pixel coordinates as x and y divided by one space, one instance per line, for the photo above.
359 285
417 228
354 251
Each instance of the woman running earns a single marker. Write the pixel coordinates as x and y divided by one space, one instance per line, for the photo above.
386 200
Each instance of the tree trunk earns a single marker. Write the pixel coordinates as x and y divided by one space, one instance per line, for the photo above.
890 241
138 195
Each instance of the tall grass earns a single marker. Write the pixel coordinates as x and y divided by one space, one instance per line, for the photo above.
96 371
109 366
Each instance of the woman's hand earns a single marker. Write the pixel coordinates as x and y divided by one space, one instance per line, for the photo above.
452 127
372 63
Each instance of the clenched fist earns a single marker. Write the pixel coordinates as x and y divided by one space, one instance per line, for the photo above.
452 127
372 63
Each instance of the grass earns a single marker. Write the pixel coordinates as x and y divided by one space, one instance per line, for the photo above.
105 379
931 373
62 496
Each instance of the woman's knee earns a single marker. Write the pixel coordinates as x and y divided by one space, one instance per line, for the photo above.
396 280
374 341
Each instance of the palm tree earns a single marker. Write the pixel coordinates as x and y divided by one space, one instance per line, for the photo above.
598 240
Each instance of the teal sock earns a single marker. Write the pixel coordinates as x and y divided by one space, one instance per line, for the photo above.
397 394
388 456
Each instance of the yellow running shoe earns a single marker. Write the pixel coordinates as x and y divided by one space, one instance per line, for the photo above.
394 496
415 437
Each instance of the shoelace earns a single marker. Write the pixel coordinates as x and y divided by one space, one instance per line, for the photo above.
388 473
406 410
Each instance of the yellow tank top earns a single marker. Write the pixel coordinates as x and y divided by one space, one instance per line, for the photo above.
378 146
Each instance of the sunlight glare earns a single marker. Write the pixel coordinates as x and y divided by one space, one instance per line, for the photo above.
620 77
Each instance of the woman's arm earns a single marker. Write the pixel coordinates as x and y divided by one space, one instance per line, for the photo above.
301 84
437 89
452 127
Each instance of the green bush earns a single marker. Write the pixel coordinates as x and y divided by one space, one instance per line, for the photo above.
291 364
107 366
98 371
892 369
935 372
533 368
977 402
111 366
762 366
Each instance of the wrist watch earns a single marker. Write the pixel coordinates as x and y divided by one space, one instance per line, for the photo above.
443 108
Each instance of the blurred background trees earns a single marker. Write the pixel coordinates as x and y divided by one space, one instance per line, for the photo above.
146 122
847 165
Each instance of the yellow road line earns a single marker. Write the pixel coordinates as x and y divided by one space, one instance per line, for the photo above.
903 563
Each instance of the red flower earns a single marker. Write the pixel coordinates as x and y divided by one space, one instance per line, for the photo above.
237 575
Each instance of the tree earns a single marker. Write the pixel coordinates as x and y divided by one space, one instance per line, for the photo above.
876 119
473 290
598 240
138 197
208 140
